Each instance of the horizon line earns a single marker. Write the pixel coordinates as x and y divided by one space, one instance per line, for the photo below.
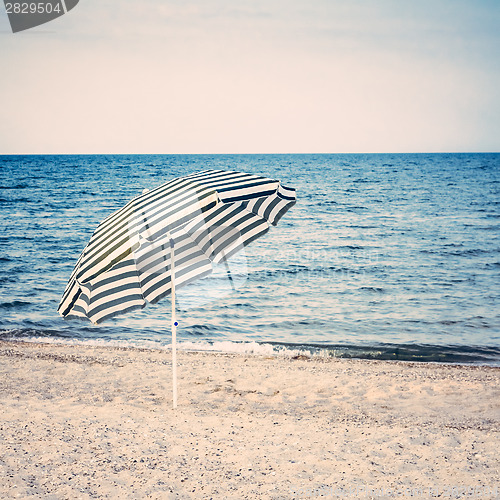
256 154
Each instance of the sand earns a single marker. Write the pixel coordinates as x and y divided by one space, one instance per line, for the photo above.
97 422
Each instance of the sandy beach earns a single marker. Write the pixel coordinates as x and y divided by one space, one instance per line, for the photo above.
97 422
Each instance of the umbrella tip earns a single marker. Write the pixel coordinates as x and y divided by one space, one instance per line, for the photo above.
145 190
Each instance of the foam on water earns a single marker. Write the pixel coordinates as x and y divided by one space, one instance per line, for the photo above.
247 348
413 353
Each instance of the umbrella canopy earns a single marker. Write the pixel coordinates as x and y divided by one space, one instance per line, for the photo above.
167 238
205 217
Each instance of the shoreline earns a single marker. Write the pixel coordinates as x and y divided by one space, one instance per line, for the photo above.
413 353
84 421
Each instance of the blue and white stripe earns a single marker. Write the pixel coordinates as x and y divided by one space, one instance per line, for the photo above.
208 216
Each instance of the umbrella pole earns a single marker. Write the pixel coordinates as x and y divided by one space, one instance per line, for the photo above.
174 326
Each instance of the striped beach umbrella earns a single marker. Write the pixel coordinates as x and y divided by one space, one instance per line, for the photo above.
169 237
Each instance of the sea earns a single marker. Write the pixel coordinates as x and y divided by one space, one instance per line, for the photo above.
384 256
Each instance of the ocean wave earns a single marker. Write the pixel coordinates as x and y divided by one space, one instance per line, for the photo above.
16 200
476 355
16 186
8 279
492 265
371 289
471 252
201 330
31 333
239 305
14 304
300 269
350 247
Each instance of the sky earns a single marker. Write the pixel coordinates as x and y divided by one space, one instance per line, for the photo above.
254 76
